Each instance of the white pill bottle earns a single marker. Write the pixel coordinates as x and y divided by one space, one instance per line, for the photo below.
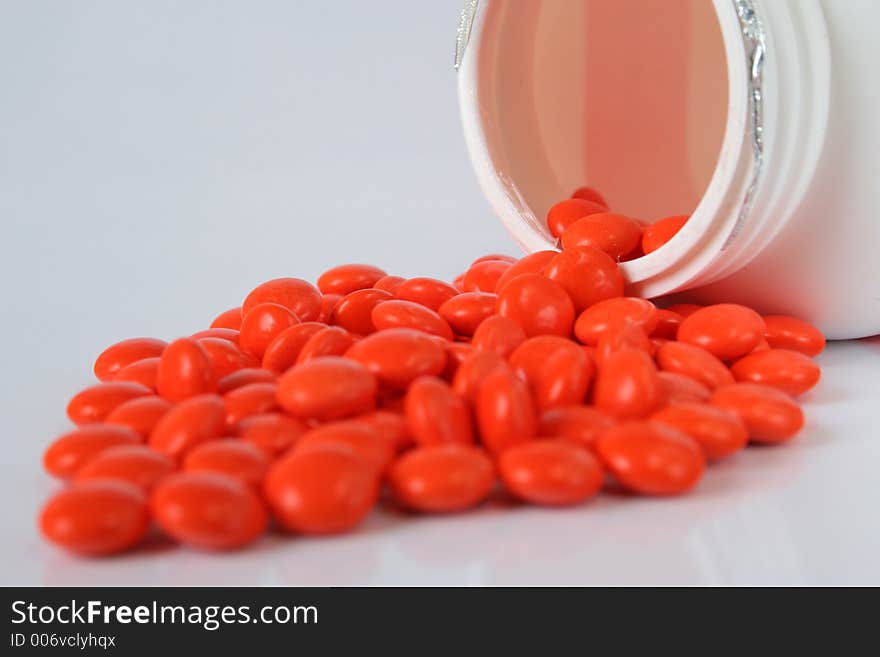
760 118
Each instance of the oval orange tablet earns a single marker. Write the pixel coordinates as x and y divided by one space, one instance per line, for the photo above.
551 472
300 297
184 370
123 353
789 371
396 313
96 402
587 274
540 306
771 416
651 458
193 421
399 356
96 518
442 478
783 332
321 491
327 388
348 278
505 411
207 510
726 330
719 432
71 451
236 458
435 414
140 414
134 464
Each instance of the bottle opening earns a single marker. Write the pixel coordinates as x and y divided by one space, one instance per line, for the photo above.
628 97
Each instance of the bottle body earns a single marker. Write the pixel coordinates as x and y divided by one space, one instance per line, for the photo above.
762 126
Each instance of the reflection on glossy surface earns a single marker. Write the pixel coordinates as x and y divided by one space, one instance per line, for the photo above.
798 514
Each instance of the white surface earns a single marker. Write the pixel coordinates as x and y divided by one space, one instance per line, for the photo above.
159 159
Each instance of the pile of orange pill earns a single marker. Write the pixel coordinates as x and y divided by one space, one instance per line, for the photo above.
309 405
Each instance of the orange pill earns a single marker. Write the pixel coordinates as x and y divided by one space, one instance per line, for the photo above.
328 303
498 334
243 378
192 421
374 449
117 356
140 414
578 424
539 305
550 472
627 386
590 194
262 324
235 458
693 362
283 352
789 371
208 510
354 311
322 490
135 464
327 388
248 400
442 478
399 356
534 263
300 297
679 389
684 309
557 370
726 330
389 284
435 414
483 276
465 312
660 232
615 234
230 319
505 411
651 458
71 451
388 425
719 432
397 314
330 341
226 357
144 371
628 335
565 213
184 370
345 279
612 315
587 274
783 332
96 518
473 370
230 335
274 433
96 402
428 292
667 324
770 415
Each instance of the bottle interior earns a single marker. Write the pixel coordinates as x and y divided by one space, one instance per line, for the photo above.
628 97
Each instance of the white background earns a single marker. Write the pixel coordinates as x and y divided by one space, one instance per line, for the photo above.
158 159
